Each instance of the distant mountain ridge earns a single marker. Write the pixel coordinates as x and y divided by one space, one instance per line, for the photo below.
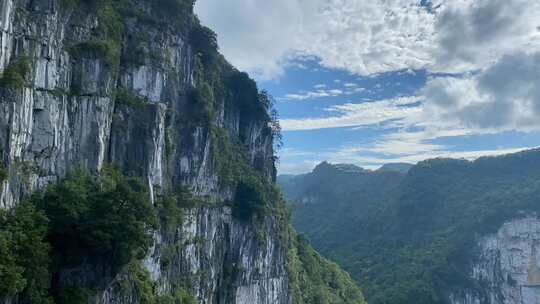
324 199
399 167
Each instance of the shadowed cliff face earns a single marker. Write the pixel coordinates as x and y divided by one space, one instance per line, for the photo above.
91 96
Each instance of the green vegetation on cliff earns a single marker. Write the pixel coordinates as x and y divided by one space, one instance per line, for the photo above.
410 238
106 216
15 73
138 279
316 280
91 219
83 218
24 254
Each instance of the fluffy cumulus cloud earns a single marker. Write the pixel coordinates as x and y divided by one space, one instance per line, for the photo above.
504 96
361 36
492 45
368 37
473 34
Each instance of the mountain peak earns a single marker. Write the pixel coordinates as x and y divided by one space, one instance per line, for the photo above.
326 166
396 167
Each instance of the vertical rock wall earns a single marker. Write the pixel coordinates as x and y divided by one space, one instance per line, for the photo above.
67 116
508 266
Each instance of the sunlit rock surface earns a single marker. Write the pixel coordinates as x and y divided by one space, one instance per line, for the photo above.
508 266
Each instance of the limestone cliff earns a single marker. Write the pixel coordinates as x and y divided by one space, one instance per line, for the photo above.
507 266
71 110
140 84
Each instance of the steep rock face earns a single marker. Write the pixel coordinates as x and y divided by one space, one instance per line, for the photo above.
508 266
63 116
220 253
224 259
68 115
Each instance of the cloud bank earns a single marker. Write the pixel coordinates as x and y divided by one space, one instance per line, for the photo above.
370 37
361 36
493 45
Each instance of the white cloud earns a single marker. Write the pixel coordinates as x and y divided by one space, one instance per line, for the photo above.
505 96
303 95
320 92
290 152
358 114
352 90
474 34
297 167
370 37
257 36
413 128
398 146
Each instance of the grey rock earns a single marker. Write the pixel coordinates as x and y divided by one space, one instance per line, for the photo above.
507 267
67 117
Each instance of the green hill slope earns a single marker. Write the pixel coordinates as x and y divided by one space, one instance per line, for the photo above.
411 238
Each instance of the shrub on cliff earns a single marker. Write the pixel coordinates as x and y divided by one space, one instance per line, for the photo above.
24 255
249 198
104 216
15 73
81 218
3 173
204 42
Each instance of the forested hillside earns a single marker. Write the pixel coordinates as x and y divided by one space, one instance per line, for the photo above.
414 237
330 203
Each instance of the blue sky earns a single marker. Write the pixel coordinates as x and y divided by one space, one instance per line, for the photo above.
373 82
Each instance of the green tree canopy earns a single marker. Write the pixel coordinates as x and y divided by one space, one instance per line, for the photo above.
105 216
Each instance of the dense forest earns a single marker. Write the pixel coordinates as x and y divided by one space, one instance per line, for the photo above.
409 237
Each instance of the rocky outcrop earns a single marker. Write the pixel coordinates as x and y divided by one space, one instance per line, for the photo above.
68 114
507 267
